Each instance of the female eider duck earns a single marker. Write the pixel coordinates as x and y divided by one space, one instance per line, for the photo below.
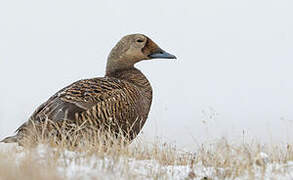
119 102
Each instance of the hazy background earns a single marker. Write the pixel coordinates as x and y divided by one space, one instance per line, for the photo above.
234 71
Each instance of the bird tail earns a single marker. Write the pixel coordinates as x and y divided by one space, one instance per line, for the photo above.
10 139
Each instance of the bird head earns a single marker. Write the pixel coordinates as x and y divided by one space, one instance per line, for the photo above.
132 49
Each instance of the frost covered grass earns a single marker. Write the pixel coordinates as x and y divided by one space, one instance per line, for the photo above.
144 160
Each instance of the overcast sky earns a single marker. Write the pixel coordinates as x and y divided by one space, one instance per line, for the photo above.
234 71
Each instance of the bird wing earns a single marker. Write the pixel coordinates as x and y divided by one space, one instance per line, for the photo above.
99 99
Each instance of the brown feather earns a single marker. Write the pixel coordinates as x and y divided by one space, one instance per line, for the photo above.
123 99
119 101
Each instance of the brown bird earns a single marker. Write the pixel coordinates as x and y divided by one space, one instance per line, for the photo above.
120 100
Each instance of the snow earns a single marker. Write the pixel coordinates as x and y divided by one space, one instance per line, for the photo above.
79 165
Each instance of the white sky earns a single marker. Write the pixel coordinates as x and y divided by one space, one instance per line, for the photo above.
234 68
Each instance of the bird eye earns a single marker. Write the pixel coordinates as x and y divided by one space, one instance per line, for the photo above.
139 40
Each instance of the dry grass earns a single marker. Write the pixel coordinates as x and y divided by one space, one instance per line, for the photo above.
219 160
43 161
232 160
103 156
43 154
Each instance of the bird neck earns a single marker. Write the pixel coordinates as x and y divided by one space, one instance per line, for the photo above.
135 77
116 66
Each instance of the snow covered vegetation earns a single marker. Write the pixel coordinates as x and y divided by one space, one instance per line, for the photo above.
144 160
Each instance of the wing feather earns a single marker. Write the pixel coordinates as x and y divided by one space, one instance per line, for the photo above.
99 99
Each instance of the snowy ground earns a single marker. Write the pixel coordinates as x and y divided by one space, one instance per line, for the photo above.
81 165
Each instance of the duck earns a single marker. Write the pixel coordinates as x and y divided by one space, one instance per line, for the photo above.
119 102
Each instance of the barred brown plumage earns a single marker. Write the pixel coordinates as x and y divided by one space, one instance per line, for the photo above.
119 101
